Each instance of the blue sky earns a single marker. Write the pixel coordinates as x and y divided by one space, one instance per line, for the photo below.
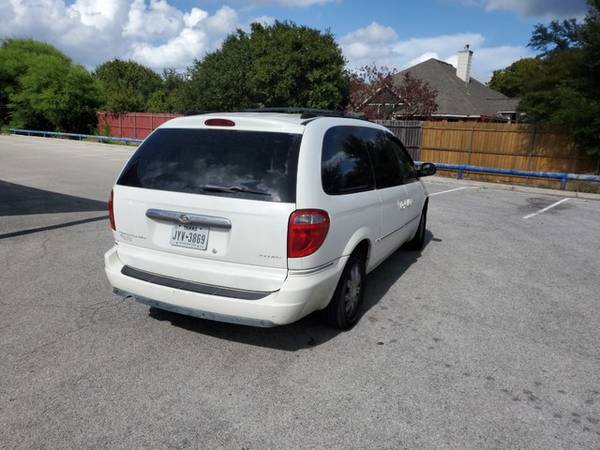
409 18
171 33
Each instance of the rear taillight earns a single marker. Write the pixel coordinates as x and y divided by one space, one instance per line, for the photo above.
307 230
111 212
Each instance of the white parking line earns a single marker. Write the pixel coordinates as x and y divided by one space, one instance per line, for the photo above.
529 216
453 190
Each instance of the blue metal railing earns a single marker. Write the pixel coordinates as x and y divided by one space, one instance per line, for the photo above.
98 138
563 177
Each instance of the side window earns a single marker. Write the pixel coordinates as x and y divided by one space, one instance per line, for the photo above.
345 163
407 166
385 161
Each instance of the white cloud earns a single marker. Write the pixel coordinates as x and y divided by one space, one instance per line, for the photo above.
443 44
194 16
371 34
97 14
153 20
263 20
381 45
488 59
153 32
424 57
545 9
200 33
156 33
224 21
182 48
290 2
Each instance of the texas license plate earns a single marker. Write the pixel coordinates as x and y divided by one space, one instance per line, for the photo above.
189 236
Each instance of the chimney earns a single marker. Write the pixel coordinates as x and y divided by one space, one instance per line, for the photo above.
463 69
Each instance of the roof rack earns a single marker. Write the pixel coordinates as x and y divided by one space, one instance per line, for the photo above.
308 113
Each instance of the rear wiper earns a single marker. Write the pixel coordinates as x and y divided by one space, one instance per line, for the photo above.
244 189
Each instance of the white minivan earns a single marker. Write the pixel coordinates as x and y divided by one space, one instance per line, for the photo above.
260 218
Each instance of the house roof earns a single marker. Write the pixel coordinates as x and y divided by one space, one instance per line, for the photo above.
455 97
385 94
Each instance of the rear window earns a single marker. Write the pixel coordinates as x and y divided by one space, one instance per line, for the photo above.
242 164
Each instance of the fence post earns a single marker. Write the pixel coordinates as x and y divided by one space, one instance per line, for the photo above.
420 143
563 182
531 147
470 147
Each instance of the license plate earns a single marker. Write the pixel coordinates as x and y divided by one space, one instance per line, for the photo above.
189 236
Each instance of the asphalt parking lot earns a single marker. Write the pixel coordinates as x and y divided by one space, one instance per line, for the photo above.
488 338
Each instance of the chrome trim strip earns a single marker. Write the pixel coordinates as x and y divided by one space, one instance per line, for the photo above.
196 312
311 271
189 219
398 229
199 288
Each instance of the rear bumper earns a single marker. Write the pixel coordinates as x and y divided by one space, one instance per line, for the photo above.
301 293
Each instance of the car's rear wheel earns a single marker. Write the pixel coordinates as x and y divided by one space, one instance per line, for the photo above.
345 306
418 242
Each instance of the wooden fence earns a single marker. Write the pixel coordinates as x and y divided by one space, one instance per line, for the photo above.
136 125
409 132
499 145
506 146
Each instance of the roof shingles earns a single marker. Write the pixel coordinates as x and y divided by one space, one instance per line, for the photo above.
455 97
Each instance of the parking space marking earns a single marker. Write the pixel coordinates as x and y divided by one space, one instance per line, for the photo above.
453 190
543 210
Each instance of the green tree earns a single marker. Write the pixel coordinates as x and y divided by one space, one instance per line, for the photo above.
126 85
220 80
42 89
276 65
172 96
564 88
16 56
556 36
511 80
296 66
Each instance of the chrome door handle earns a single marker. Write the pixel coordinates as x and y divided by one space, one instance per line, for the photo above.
189 219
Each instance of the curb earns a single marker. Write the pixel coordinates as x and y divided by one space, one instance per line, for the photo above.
512 187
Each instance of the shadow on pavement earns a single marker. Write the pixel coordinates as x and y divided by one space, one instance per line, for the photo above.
390 271
51 227
19 200
308 332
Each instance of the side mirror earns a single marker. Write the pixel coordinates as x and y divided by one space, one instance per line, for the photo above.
426 169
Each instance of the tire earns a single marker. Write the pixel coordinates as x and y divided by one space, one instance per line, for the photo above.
418 242
345 306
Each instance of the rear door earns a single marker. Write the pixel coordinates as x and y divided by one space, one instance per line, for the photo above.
209 205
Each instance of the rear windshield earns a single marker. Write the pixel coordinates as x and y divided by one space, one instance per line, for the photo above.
243 164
